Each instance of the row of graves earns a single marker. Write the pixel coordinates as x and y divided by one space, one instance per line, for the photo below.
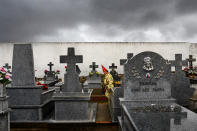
150 97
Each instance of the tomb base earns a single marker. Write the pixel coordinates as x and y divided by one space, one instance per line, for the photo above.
29 104
74 107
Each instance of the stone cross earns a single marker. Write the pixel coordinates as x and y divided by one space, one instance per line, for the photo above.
71 59
178 62
71 78
190 60
123 61
93 66
113 66
50 66
7 67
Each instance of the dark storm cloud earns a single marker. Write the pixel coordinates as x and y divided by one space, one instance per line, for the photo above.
27 20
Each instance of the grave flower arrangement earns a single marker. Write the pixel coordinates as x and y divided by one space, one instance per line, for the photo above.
191 72
46 71
44 87
57 72
5 76
91 73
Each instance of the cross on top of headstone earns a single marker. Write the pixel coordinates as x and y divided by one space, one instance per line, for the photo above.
7 66
50 66
113 66
178 62
93 66
71 59
191 60
123 61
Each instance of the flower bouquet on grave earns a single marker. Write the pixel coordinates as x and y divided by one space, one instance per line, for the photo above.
191 72
44 87
90 74
5 76
46 71
97 73
57 72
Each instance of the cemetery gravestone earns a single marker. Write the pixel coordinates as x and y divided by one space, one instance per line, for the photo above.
70 103
50 76
191 60
71 78
181 90
117 92
26 100
94 79
147 89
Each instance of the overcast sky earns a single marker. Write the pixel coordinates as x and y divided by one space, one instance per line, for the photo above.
98 20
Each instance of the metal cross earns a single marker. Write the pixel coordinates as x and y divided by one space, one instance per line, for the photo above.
50 66
113 66
93 66
7 67
190 60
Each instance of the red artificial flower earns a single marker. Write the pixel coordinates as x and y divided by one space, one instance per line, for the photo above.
44 87
185 69
46 71
38 83
58 71
65 66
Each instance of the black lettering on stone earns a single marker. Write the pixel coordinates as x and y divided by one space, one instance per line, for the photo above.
148 83
145 90
135 90
158 89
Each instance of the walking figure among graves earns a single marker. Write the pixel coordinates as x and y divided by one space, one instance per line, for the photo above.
108 82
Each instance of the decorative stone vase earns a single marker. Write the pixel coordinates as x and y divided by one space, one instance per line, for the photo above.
2 90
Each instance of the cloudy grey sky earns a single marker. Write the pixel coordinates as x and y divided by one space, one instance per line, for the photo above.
98 20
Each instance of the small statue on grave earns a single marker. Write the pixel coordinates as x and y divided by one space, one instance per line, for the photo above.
108 82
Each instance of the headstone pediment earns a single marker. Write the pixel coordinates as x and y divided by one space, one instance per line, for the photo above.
147 77
147 66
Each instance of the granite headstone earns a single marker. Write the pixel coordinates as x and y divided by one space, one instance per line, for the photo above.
94 79
70 103
147 93
71 78
50 76
181 90
26 100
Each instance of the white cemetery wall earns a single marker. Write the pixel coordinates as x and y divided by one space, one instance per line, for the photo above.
101 52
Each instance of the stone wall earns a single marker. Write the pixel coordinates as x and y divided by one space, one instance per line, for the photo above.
101 52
